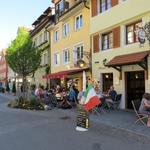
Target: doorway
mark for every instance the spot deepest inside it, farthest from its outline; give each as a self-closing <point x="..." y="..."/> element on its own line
<point x="135" y="87"/>
<point x="107" y="79"/>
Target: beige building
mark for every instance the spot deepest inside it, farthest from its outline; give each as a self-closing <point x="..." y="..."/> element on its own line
<point x="40" y="36"/>
<point x="118" y="57"/>
<point x="70" y="42"/>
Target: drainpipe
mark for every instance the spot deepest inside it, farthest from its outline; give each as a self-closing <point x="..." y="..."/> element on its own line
<point x="85" y="4"/>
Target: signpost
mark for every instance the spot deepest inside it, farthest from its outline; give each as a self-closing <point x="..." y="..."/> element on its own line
<point x="82" y="119"/>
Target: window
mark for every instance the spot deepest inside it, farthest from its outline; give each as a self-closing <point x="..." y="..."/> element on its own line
<point x="78" y="22"/>
<point x="40" y="39"/>
<point x="55" y="36"/>
<point x="36" y="42"/>
<point x="66" y="29"/>
<point x="45" y="36"/>
<point x="60" y="6"/>
<point x="45" y="58"/>
<point x="56" y="59"/>
<point x="66" y="56"/>
<point x="107" y="41"/>
<point x="131" y="36"/>
<point x="103" y="5"/>
<point x="79" y="51"/>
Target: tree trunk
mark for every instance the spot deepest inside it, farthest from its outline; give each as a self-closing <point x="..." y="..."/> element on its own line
<point x="24" y="84"/>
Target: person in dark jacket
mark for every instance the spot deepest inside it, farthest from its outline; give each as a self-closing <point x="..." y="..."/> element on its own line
<point x="110" y="96"/>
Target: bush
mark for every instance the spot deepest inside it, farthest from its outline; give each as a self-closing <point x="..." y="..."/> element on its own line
<point x="23" y="103"/>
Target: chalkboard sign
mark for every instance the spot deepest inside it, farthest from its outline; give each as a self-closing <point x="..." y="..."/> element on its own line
<point x="82" y="117"/>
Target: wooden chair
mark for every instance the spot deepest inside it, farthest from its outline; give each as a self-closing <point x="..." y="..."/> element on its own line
<point x="140" y="117"/>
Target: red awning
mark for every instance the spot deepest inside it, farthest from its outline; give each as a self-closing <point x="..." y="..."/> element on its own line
<point x="128" y="59"/>
<point x="63" y="74"/>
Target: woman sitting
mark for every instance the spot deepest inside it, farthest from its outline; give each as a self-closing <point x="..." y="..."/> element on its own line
<point x="145" y="106"/>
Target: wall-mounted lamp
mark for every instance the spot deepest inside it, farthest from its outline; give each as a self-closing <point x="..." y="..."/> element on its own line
<point x="104" y="62"/>
<point x="81" y="63"/>
<point x="136" y="76"/>
<point x="107" y="76"/>
<point x="117" y="81"/>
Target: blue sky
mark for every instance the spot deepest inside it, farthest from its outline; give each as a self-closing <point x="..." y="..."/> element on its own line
<point x="15" y="13"/>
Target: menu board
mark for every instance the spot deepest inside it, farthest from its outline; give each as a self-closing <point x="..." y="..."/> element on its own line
<point x="82" y="117"/>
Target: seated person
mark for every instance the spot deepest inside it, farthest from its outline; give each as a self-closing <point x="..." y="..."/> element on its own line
<point x="71" y="95"/>
<point x="111" y="96"/>
<point x="99" y="93"/>
<point x="58" y="95"/>
<point x="65" y="104"/>
<point x="39" y="92"/>
<point x="145" y="106"/>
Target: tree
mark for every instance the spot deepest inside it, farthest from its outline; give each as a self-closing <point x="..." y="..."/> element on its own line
<point x="22" y="56"/>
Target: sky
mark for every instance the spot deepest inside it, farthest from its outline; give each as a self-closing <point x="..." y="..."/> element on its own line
<point x="15" y="13"/>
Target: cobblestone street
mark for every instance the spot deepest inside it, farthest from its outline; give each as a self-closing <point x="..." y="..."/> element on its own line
<point x="55" y="129"/>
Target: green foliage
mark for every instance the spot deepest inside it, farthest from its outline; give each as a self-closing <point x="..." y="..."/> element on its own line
<point x="23" y="103"/>
<point x="32" y="86"/>
<point x="14" y="87"/>
<point x="21" y="55"/>
<point x="47" y="69"/>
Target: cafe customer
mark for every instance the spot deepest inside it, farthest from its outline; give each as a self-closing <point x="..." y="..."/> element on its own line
<point x="110" y="96"/>
<point x="145" y="106"/>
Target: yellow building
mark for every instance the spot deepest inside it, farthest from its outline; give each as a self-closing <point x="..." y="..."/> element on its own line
<point x="70" y="42"/>
<point x="118" y="57"/>
<point x="40" y="37"/>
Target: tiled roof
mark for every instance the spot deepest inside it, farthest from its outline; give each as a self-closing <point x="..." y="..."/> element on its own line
<point x="128" y="59"/>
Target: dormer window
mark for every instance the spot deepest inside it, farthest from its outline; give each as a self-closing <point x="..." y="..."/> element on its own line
<point x="60" y="6"/>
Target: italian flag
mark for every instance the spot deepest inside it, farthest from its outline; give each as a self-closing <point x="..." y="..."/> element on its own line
<point x="90" y="98"/>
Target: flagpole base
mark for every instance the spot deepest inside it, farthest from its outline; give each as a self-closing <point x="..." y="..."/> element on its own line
<point x="81" y="129"/>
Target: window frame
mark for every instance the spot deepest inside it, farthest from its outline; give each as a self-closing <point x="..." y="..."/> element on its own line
<point x="80" y="25"/>
<point x="133" y="24"/>
<point x="108" y="41"/>
<point x="100" y="10"/>
<point x="66" y="57"/>
<point x="56" y="59"/>
<point x="56" y="35"/>
<point x="45" y="58"/>
<point x="81" y="51"/>
<point x="66" y="30"/>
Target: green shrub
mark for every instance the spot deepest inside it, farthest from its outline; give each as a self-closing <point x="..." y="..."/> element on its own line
<point x="23" y="103"/>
